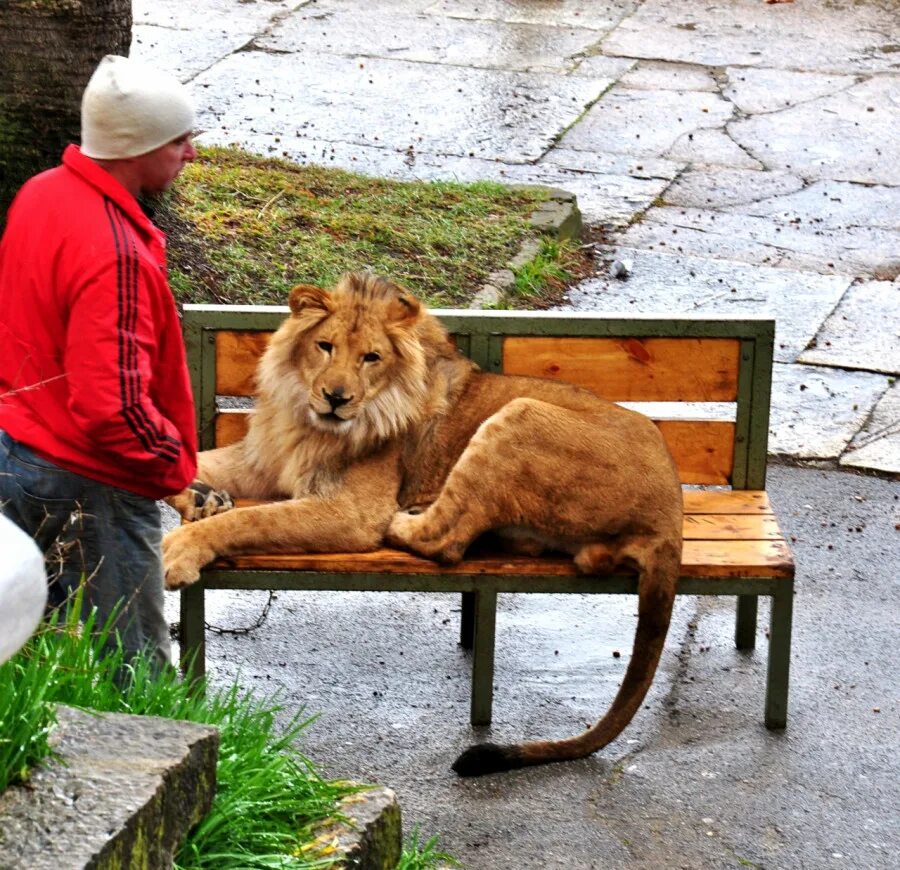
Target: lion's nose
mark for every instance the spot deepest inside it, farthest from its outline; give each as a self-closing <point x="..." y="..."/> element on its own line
<point x="335" y="397"/>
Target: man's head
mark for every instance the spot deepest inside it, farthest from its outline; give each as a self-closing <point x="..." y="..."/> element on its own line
<point x="137" y="122"/>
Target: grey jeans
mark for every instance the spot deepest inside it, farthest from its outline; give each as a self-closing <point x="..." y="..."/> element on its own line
<point x="91" y="532"/>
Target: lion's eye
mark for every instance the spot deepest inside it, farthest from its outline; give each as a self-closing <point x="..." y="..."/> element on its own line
<point x="326" y="346"/>
<point x="371" y="357"/>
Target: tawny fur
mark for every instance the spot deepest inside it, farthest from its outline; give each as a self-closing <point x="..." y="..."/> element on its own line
<point x="365" y="411"/>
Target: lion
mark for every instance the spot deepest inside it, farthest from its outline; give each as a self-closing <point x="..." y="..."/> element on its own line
<point x="371" y="428"/>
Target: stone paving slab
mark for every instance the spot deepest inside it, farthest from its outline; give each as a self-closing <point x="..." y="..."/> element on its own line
<point x="484" y="113"/>
<point x="825" y="226"/>
<point x="766" y="240"/>
<point x="798" y="301"/>
<point x="204" y="17"/>
<point x="720" y="187"/>
<point x="844" y="137"/>
<point x="712" y="147"/>
<point x="180" y="52"/>
<point x="762" y="91"/>
<point x="657" y="75"/>
<point x="832" y="204"/>
<point x="877" y="446"/>
<point x="645" y="123"/>
<point x="602" y="197"/>
<point x="603" y="66"/>
<point x="600" y="15"/>
<point x="430" y="39"/>
<point x="816" y="411"/>
<point x="863" y="332"/>
<point x="814" y="37"/>
<point x="603" y="163"/>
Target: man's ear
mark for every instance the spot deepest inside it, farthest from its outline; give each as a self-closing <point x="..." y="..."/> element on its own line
<point x="308" y="299"/>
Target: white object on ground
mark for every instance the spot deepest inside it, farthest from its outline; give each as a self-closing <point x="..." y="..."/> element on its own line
<point x="23" y="588"/>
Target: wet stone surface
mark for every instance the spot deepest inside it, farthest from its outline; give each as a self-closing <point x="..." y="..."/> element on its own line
<point x="863" y="332"/>
<point x="601" y="15"/>
<point x="645" y="123"/>
<point x="762" y="91"/>
<point x="431" y="39"/>
<point x="484" y="113"/>
<point x="712" y="147"/>
<point x="803" y="397"/>
<point x="798" y="301"/>
<point x="721" y="187"/>
<point x="877" y="445"/>
<point x="845" y="137"/>
<point x="772" y="240"/>
<point x="823" y="38"/>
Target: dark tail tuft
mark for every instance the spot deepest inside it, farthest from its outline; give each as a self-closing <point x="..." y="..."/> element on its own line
<point x="488" y="758"/>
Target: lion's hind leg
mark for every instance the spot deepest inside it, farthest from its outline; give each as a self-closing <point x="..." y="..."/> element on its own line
<point x="496" y="483"/>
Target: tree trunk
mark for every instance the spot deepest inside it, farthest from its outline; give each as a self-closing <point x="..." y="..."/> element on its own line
<point x="48" y="50"/>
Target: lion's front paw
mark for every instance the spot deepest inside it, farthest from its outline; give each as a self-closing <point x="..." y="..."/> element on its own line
<point x="185" y="552"/>
<point x="199" y="501"/>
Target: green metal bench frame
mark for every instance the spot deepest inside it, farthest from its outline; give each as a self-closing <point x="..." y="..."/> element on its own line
<point x="479" y="334"/>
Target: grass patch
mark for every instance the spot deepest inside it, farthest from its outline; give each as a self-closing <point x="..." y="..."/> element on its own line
<point x="424" y="855"/>
<point x="245" y="229"/>
<point x="543" y="280"/>
<point x="269" y="796"/>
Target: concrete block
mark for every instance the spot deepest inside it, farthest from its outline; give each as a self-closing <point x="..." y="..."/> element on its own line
<point x="123" y="792"/>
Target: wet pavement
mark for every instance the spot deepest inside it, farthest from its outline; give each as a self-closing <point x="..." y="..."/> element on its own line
<point x="744" y="155"/>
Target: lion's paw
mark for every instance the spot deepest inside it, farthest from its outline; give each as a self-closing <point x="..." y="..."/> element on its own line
<point x="410" y="532"/>
<point x="403" y="530"/>
<point x="199" y="501"/>
<point x="185" y="552"/>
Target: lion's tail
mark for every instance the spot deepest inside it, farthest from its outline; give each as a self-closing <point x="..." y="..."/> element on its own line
<point x="657" y="579"/>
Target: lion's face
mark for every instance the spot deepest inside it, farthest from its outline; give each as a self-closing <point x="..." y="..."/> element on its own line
<point x="349" y="362"/>
<point x="345" y="362"/>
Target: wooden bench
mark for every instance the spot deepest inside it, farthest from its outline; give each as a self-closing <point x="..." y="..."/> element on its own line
<point x="732" y="542"/>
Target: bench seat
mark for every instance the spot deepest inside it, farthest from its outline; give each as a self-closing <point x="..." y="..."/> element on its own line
<point x="726" y="534"/>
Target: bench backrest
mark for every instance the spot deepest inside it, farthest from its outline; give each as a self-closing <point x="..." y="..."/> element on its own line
<point x="706" y="382"/>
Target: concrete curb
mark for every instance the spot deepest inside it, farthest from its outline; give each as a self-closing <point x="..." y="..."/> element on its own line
<point x="123" y="792"/>
<point x="558" y="218"/>
<point x="370" y="837"/>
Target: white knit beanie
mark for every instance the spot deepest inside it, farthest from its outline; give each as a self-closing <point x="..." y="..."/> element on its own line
<point x="129" y="108"/>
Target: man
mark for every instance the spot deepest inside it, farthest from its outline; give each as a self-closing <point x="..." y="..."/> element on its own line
<point x="96" y="413"/>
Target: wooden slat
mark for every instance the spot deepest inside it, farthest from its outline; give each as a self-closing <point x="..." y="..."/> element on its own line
<point x="699" y="501"/>
<point x="632" y="370"/>
<point x="731" y="527"/>
<point x="237" y="354"/>
<point x="231" y="426"/>
<point x="703" y="449"/>
<point x="700" y="559"/>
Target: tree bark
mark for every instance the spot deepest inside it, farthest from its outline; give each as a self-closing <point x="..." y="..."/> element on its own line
<point x="48" y="50"/>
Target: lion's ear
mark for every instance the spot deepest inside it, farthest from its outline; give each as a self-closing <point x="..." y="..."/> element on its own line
<point x="306" y="299"/>
<point x="403" y="309"/>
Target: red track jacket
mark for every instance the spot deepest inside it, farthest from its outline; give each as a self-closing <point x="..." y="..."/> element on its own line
<point x="92" y="366"/>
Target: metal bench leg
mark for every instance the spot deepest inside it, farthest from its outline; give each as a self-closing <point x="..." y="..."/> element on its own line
<point x="745" y="625"/>
<point x="485" y="612"/>
<point x="779" y="657"/>
<point x="467" y="620"/>
<point x="193" y="632"/>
